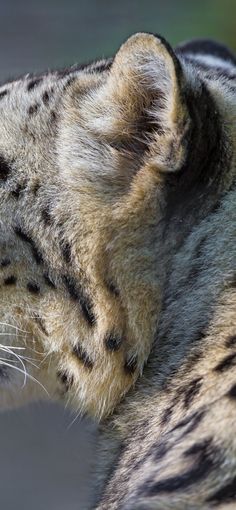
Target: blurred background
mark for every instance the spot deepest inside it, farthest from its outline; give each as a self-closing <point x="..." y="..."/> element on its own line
<point x="44" y="463"/>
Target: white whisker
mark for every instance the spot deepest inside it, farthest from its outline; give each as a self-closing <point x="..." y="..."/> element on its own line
<point x="28" y="375"/>
<point x="12" y="326"/>
<point x="9" y="351"/>
<point x="78" y="415"/>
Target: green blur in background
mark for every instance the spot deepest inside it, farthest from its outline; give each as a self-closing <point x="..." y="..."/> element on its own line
<point x="35" y="35"/>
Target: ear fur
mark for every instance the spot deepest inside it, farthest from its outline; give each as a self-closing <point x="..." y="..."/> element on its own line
<point x="141" y="105"/>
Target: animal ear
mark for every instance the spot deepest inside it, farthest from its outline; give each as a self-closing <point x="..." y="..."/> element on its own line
<point x="141" y="105"/>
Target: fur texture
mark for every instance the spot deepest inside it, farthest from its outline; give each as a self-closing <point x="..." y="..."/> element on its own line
<point x="117" y="219"/>
<point x="171" y="444"/>
<point x="80" y="203"/>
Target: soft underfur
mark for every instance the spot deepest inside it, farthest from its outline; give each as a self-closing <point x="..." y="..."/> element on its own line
<point x="117" y="222"/>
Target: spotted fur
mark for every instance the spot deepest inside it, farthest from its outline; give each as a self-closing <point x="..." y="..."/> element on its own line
<point x="171" y="443"/>
<point x="74" y="235"/>
<point x="117" y="260"/>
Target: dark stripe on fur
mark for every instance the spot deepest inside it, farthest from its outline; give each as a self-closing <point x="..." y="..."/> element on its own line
<point x="206" y="47"/>
<point x="49" y="281"/>
<point x="83" y="356"/>
<point x="201" y="468"/>
<point x="227" y="363"/>
<point x="232" y="392"/>
<point x="46" y="216"/>
<point x="76" y="293"/>
<point x="230" y="342"/>
<point x="5" y="262"/>
<point x="192" y="391"/>
<point x="3" y="93"/>
<point x="25" y="237"/>
<point x="32" y="84"/>
<point x="166" y="417"/>
<point x="190" y="423"/>
<point x="226" y="494"/>
<point x="66" y="251"/>
<point x="130" y="366"/>
<point x="5" y="169"/>
<point x="10" y="280"/>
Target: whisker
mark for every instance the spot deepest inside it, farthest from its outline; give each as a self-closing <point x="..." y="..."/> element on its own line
<point x="28" y="375"/>
<point x="12" y="326"/>
<point x="78" y="415"/>
<point x="12" y="347"/>
<point x="9" y="351"/>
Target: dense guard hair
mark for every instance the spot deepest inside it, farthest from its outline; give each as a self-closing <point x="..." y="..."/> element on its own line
<point x="117" y="263"/>
<point x="171" y="444"/>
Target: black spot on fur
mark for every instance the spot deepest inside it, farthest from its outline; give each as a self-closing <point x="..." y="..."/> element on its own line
<point x="5" y="262"/>
<point x="46" y="216"/>
<point x="10" y="280"/>
<point x="99" y="66"/>
<point x="231" y="341"/>
<point x="202" y="467"/>
<point x="45" y="97"/>
<point x="83" y="356"/>
<point x="66" y="379"/>
<point x="25" y="237"/>
<point x="3" y="93"/>
<point x="18" y="190"/>
<point x="35" y="188"/>
<point x="19" y="232"/>
<point x="76" y="293"/>
<point x="112" y="288"/>
<point x="192" y="391"/>
<point x="69" y="82"/>
<point x="66" y="251"/>
<point x="5" y="169"/>
<point x="130" y="366"/>
<point x="226" y="494"/>
<point x="227" y="363"/>
<point x="232" y="392"/>
<point x="49" y="281"/>
<point x="33" y="109"/>
<point x="33" y="83"/>
<point x="53" y="116"/>
<point x="113" y="342"/>
<point x="33" y="287"/>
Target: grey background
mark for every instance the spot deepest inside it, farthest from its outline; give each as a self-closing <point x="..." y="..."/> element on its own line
<point x="43" y="463"/>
